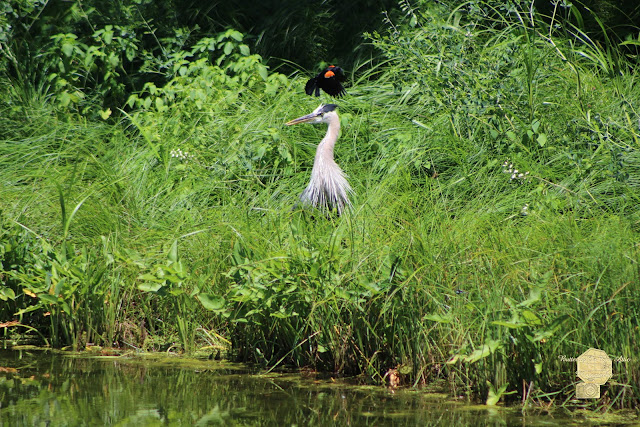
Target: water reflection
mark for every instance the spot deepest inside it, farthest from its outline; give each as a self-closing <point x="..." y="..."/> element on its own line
<point x="40" y="388"/>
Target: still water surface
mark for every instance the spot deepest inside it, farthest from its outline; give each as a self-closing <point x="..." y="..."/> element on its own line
<point x="52" y="389"/>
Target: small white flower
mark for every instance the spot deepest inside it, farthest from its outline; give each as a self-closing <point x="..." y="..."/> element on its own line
<point x="507" y="167"/>
<point x="182" y="155"/>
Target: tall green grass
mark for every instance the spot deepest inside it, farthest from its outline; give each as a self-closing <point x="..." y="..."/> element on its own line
<point x="171" y="225"/>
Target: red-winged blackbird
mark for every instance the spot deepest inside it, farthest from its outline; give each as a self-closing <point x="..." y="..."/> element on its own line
<point x="328" y="80"/>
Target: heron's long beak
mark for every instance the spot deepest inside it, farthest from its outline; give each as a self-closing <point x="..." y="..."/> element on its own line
<point x="303" y="119"/>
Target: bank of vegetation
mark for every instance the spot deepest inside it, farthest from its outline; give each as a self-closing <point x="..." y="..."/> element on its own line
<point x="147" y="184"/>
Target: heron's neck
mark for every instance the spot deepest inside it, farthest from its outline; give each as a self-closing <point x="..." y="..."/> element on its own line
<point x="325" y="148"/>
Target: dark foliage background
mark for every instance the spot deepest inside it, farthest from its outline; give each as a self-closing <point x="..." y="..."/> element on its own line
<point x="290" y="35"/>
<point x="302" y="32"/>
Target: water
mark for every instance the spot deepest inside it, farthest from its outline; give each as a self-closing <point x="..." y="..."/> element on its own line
<point x="44" y="388"/>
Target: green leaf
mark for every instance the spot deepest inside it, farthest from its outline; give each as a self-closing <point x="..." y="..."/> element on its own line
<point x="173" y="252"/>
<point x="510" y="324"/>
<point x="531" y="318"/>
<point x="105" y="113"/>
<point x="262" y="70"/>
<point x="535" y="125"/>
<point x="47" y="298"/>
<point x="150" y="277"/>
<point x="489" y="347"/>
<point x="108" y="36"/>
<point x="64" y="98"/>
<point x="370" y="286"/>
<point x="279" y="315"/>
<point x="542" y="139"/>
<point x="28" y="309"/>
<point x="212" y="302"/>
<point x="60" y="286"/>
<point x="494" y="396"/>
<point x="130" y="53"/>
<point x="290" y="289"/>
<point x="438" y="318"/>
<point x="535" y="295"/>
<point x="113" y="60"/>
<point x="7" y="293"/>
<point x="150" y="287"/>
<point x="67" y="49"/>
<point x="132" y="100"/>
<point x="66" y="308"/>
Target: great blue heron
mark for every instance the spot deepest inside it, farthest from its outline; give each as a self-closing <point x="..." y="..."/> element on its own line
<point x="328" y="188"/>
<point x="328" y="80"/>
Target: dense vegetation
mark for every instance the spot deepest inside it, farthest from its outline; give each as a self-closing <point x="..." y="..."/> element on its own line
<point x="148" y="180"/>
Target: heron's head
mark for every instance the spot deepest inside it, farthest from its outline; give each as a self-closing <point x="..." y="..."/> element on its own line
<point x="322" y="114"/>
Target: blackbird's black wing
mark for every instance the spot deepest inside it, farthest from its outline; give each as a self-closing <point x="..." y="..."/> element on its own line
<point x="329" y="81"/>
<point x="312" y="85"/>
<point x="332" y="86"/>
